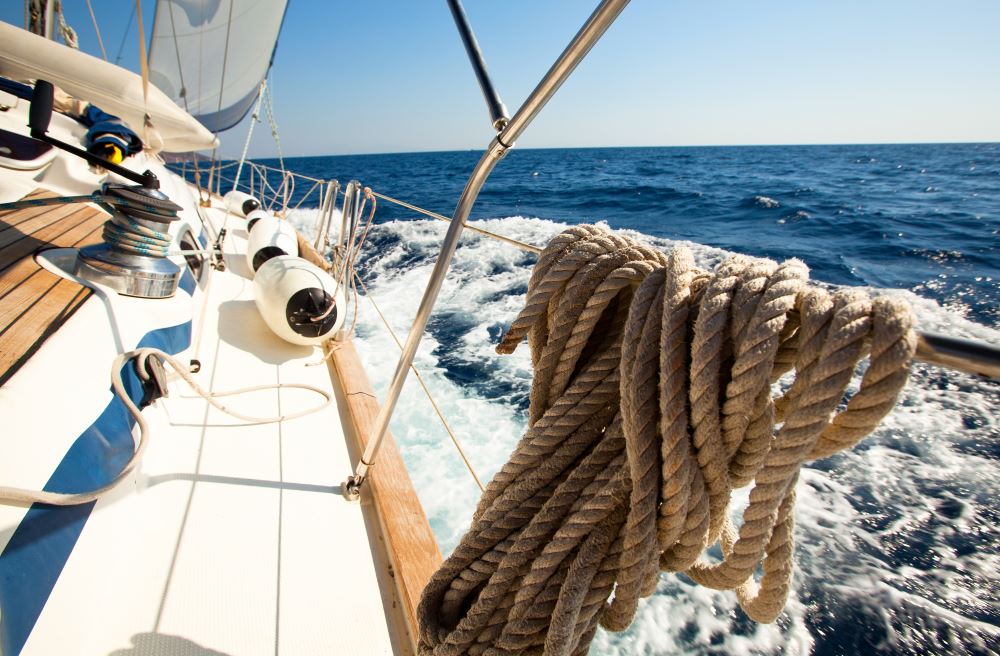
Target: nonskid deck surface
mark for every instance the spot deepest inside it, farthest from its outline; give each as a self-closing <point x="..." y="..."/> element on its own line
<point x="234" y="537"/>
<point x="34" y="302"/>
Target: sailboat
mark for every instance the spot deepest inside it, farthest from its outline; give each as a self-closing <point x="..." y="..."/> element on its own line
<point x="234" y="534"/>
<point x="193" y="464"/>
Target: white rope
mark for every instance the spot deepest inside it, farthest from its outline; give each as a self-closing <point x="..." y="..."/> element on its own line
<point x="97" y="30"/>
<point x="255" y="117"/>
<point x="269" y="110"/>
<point x="19" y="495"/>
<point x="68" y="33"/>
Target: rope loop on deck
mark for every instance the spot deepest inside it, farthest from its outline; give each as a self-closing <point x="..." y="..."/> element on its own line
<point x="140" y="359"/>
<point x="653" y="399"/>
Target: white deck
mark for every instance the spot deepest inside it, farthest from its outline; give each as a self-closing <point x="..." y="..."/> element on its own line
<point x="233" y="538"/>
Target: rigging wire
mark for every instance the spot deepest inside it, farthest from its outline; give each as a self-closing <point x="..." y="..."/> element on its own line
<point x="121" y="46"/>
<point x="97" y="30"/>
<point x="507" y="240"/>
<point x="272" y="168"/>
<point x="177" y="54"/>
<point x="273" y="124"/>
<point x="423" y="385"/>
<point x="225" y="56"/>
<point x="315" y="186"/>
<point x="254" y="118"/>
<point x="143" y="62"/>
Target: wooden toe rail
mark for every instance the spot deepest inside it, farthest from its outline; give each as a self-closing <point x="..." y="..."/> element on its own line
<point x="412" y="550"/>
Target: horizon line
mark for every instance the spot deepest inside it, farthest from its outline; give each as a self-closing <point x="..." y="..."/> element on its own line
<point x="744" y="145"/>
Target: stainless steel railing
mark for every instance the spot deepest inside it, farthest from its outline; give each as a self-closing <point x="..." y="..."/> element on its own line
<point x="329" y="202"/>
<point x="589" y="34"/>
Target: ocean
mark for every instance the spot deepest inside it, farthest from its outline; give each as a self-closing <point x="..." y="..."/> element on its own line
<point x="897" y="540"/>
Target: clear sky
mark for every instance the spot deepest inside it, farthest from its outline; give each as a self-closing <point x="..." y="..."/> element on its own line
<point x="391" y="76"/>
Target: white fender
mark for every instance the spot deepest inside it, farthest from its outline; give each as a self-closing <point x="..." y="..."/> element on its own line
<point x="289" y="292"/>
<point x="253" y="217"/>
<point x="269" y="237"/>
<point x="240" y="203"/>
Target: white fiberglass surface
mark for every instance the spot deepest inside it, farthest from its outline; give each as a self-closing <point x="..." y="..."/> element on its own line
<point x="232" y="536"/>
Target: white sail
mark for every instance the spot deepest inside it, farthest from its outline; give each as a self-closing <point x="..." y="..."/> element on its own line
<point x="210" y="56"/>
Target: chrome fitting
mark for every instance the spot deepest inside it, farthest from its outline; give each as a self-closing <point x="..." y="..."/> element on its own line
<point x="351" y="488"/>
<point x="126" y="273"/>
<point x="498" y="149"/>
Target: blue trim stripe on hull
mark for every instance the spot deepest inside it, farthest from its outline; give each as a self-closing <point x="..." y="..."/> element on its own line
<point x="40" y="546"/>
<point x="188" y="283"/>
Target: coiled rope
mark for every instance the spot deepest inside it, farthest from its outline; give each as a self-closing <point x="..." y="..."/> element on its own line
<point x="651" y="402"/>
<point x="67" y="33"/>
<point x="125" y="206"/>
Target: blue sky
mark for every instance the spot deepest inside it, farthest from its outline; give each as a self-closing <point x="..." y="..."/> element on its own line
<point x="391" y="76"/>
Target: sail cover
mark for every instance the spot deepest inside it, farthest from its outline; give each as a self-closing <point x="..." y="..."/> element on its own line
<point x="210" y="56"/>
<point x="158" y="120"/>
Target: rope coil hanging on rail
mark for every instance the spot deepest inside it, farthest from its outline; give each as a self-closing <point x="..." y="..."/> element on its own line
<point x="651" y="402"/>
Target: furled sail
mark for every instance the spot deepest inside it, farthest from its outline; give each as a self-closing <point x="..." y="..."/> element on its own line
<point x="160" y="123"/>
<point x="210" y="56"/>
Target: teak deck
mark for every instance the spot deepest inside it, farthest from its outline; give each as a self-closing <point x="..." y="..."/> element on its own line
<point x="33" y="301"/>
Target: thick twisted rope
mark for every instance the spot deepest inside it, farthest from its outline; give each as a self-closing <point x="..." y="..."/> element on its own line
<point x="652" y="401"/>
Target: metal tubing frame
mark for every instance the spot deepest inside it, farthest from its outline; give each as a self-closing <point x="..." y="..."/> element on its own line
<point x="965" y="355"/>
<point x="324" y="201"/>
<point x="350" y="215"/>
<point x="595" y="27"/>
<point x="498" y="111"/>
<point x="326" y="215"/>
<point x="348" y="211"/>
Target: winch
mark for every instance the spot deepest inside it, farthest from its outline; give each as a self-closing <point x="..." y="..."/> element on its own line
<point x="133" y="258"/>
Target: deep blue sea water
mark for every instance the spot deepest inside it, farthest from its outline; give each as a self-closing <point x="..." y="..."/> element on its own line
<point x="915" y="216"/>
<point x="898" y="540"/>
